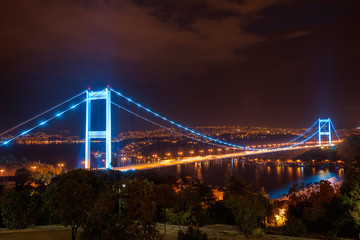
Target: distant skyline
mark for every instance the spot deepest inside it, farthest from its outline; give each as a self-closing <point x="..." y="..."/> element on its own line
<point x="272" y="63"/>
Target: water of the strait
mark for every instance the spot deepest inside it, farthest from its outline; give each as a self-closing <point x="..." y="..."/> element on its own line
<point x="275" y="179"/>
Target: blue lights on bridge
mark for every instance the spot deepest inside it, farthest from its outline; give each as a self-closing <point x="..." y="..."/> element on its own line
<point x="230" y="144"/>
<point x="26" y="132"/>
<point x="184" y="128"/>
<point x="325" y="126"/>
<point x="305" y="132"/>
<point x="43" y="122"/>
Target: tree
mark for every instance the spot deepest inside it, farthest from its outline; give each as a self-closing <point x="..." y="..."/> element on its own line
<point x="343" y="213"/>
<point x="73" y="196"/>
<point x="137" y="220"/>
<point x="192" y="233"/>
<point x="19" y="208"/>
<point x="322" y="194"/>
<point x="101" y="218"/>
<point x="350" y="198"/>
<point x="139" y="207"/>
<point x="220" y="214"/>
<point x="295" y="227"/>
<point x="179" y="217"/>
<point x="164" y="198"/>
<point x="164" y="195"/>
<point x="236" y="185"/>
<point x="43" y="174"/>
<point x="194" y="197"/>
<point x="114" y="162"/>
<point x="349" y="151"/>
<point x="336" y="216"/>
<point x="249" y="211"/>
<point x="298" y="200"/>
<point x="22" y="177"/>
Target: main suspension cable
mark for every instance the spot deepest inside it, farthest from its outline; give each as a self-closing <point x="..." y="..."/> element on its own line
<point x="202" y="135"/>
<point x="182" y="127"/>
<point x="39" y="115"/>
<point x="162" y="126"/>
<point x="42" y="123"/>
<point x="304" y="132"/>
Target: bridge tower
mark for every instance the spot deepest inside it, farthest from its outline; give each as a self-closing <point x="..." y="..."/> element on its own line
<point x="325" y="129"/>
<point x="89" y="134"/>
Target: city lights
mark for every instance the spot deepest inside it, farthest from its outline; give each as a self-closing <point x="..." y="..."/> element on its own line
<point x="180" y="120"/>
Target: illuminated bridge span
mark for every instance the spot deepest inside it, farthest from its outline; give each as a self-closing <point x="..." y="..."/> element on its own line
<point x="311" y="138"/>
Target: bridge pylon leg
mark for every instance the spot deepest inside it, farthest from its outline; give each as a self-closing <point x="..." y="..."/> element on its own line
<point x="324" y="129"/>
<point x="89" y="134"/>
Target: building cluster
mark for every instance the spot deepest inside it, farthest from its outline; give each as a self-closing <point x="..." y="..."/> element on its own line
<point x="247" y="132"/>
<point x="43" y="138"/>
<point x="173" y="135"/>
<point x="158" y="133"/>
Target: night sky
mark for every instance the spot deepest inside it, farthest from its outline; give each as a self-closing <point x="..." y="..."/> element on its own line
<point x="200" y="62"/>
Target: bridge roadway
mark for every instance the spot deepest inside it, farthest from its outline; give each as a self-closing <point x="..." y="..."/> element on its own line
<point x="174" y="162"/>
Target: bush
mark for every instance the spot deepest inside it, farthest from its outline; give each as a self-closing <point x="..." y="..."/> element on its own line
<point x="249" y="211"/>
<point x="258" y="232"/>
<point x="179" y="218"/>
<point x="295" y="227"/>
<point x="19" y="209"/>
<point x="192" y="233"/>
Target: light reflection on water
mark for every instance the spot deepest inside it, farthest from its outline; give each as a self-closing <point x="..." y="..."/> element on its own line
<point x="275" y="179"/>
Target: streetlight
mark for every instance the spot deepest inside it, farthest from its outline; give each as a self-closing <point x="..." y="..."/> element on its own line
<point x="119" y="189"/>
<point x="2" y="171"/>
<point x="60" y="166"/>
<point x="154" y="156"/>
<point x="33" y="168"/>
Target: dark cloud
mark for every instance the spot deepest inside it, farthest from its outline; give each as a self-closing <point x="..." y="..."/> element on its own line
<point x="128" y="31"/>
<point x="236" y="61"/>
<point x="296" y="34"/>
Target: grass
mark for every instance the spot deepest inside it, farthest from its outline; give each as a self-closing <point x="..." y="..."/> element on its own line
<point x="219" y="231"/>
<point x="51" y="233"/>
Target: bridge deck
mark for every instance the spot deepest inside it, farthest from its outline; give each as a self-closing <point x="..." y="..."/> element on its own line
<point x="174" y="162"/>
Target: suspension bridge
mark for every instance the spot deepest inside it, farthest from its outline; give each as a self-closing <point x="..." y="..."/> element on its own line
<point x="313" y="137"/>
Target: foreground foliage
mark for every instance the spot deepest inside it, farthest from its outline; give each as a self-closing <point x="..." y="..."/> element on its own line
<point x="19" y="208"/>
<point x="192" y="233"/>
<point x="72" y="196"/>
<point x="114" y="205"/>
<point x="295" y="227"/>
<point x="249" y="210"/>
